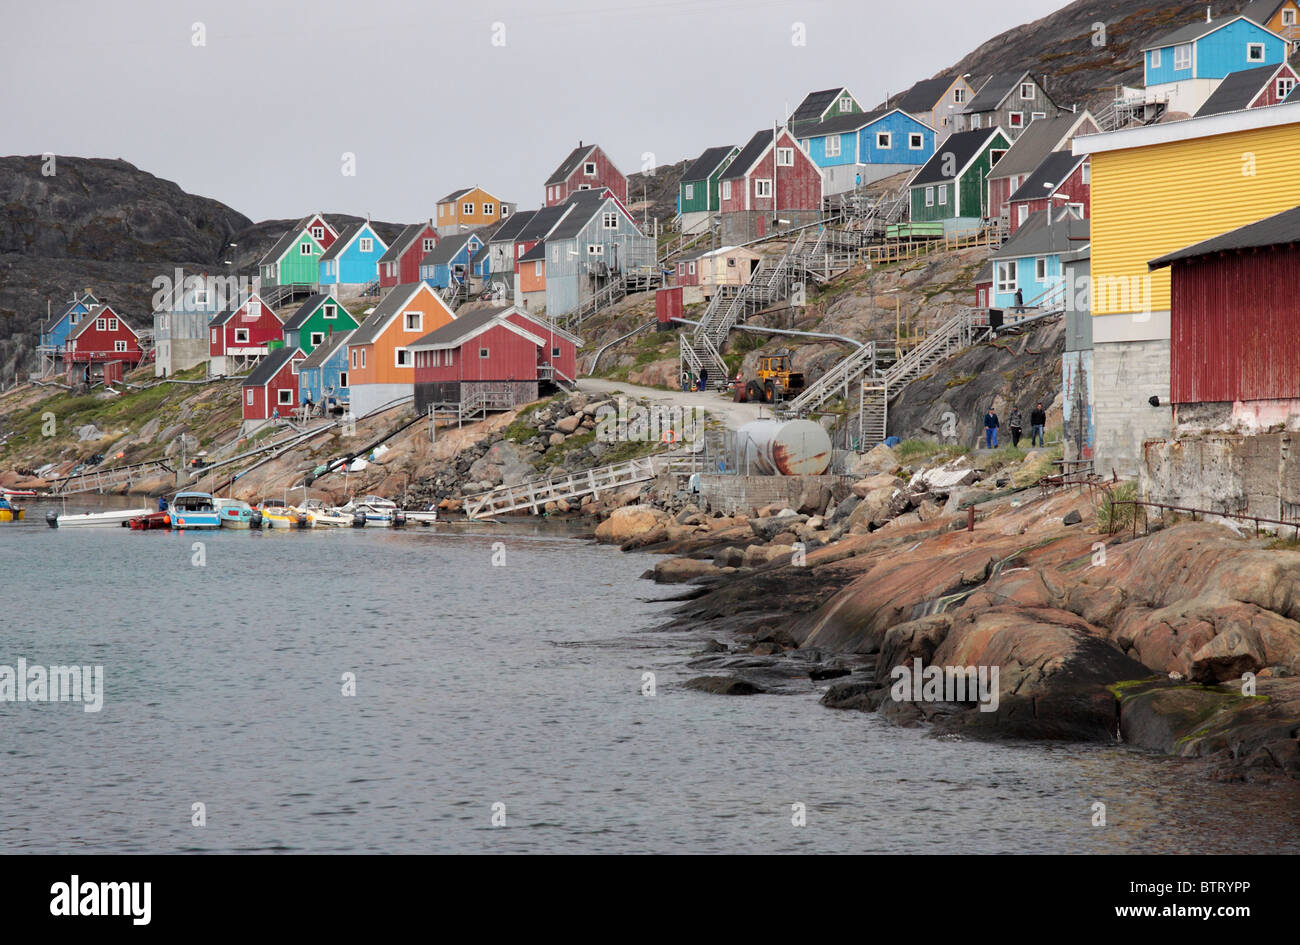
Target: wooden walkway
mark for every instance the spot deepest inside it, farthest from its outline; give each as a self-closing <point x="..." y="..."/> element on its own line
<point x="535" y="493"/>
<point x="98" y="480"/>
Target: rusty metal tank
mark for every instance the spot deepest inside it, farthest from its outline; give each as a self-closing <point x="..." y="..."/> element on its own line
<point x="784" y="448"/>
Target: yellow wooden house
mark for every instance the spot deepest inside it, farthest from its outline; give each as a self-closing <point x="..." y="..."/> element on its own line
<point x="468" y="209"/>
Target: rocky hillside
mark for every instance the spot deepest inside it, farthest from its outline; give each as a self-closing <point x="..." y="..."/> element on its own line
<point x="656" y="192"/>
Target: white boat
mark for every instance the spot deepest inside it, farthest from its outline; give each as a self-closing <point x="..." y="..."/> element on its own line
<point x="117" y="517"/>
<point x="379" y="512"/>
<point x="425" y="517"/>
<point x="275" y="514"/>
<point x="320" y="515"/>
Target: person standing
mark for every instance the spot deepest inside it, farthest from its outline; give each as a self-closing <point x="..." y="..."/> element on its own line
<point x="991" y="425"/>
<point x="1037" y="420"/>
<point x="1017" y="424"/>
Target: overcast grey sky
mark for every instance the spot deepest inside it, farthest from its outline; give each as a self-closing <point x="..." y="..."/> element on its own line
<point x="260" y="116"/>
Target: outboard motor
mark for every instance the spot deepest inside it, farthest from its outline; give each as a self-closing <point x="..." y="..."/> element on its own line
<point x="399" y="518"/>
<point x="301" y="519"/>
<point x="52" y="518"/>
<point x="358" y="519"/>
<point x="255" y="518"/>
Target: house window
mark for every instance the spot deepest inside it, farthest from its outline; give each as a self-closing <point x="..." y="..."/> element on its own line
<point x="916" y="142"/>
<point x="610" y="221"/>
<point x="505" y="211"/>
<point x="929" y="196"/>
<point x="112" y="324"/>
<point x="689" y="191"/>
<point x="442" y="209"/>
<point x="401" y="357"/>
<point x="1040" y="268"/>
<point x="1016" y="119"/>
<point x="467" y="208"/>
<point x="363" y="357"/>
<point x="248" y="396"/>
<point x="959" y="96"/>
<point x="555" y="352"/>
<point x="414" y="320"/>
<point x="214" y="336"/>
<point x="833" y="146"/>
<point x="483" y="354"/>
<point x="367" y="244"/>
<point x="330" y="311"/>
<point x="304" y="249"/>
<point x="200" y="298"/>
<point x="1183" y="56"/>
<point x="726" y="190"/>
<point x="1076" y="210"/>
<point x="537" y="268"/>
<point x="100" y="324"/>
<point x="318" y="232"/>
<point x="681" y="269"/>
<point x="1034" y="116"/>
<point x="1288" y="17"/>
<point x="354" y="358"/>
<point x="1284" y="86"/>
<point x="785" y="157"/>
<point x="488" y="209"/>
<point x="1022" y="214"/>
<point x="995" y="155"/>
<point x="1007" y="276"/>
<point x="429" y="244"/>
<point x="690" y="267"/>
<point x="846" y="103"/>
<point x="285" y="396"/>
<point x="974" y="122"/>
<point x="1027" y="91"/>
<point x="589" y="169"/>
<point x="762" y="187"/>
<point x="584" y="187"/>
<point x="241" y="336"/>
<point x="884" y="140"/>
<point x="943" y="195"/>
<point x="1155" y="59"/>
<point x="595" y="249"/>
<point x="1087" y="173"/>
<point x="555" y="254"/>
<point x="343" y="378"/>
<point x="316" y="338"/>
<point x="1254" y="52"/>
<point x="119" y="346"/>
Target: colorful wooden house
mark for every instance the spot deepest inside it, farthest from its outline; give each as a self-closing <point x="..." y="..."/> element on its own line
<point x="1251" y="88"/>
<point x="55" y="329"/>
<point x="501" y="251"/>
<point x="295" y="257"/>
<point x="1030" y="263"/>
<point x="586" y="168"/>
<point x="1184" y="67"/>
<point x="270" y="392"/>
<point x="182" y="309"/>
<point x="822" y="105"/>
<point x="860" y="148"/>
<point x="772" y="185"/>
<point x="1277" y="16"/>
<point x="1010" y="101"/>
<point x="697" y="192"/>
<point x="320" y="316"/>
<point x="701" y="272"/>
<point x="323" y="374"/>
<point x="352" y="261"/>
<point x="951" y="188"/>
<point x="400" y="264"/>
<point x="247" y="330"/>
<point x="1027" y="152"/>
<point x="450" y="262"/>
<point x="380" y="366"/>
<point x="530" y="277"/>
<point x="504" y="351"/>
<point x="470" y="208"/>
<point x="595" y="243"/>
<point x="937" y="102"/>
<point x="101" y="336"/>
<point x="1062" y="180"/>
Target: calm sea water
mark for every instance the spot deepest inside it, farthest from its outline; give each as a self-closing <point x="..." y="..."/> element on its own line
<point x="477" y="686"/>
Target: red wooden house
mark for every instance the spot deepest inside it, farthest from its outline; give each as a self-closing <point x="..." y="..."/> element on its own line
<point x="400" y="265"/>
<point x="1251" y="88"/>
<point x="586" y="168"/>
<point x="505" y="352"/>
<point x="771" y="185"/>
<point x="1062" y="180"/>
<point x="272" y="387"/>
<point x="241" y="334"/>
<point x="102" y="335"/>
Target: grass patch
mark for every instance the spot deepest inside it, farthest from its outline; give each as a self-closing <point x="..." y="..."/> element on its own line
<point x="912" y="452"/>
<point x="959" y="380"/>
<point x="1112" y="518"/>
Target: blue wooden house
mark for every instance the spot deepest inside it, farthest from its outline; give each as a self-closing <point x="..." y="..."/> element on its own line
<point x="452" y="259"/>
<point x="1183" y="68"/>
<point x="858" y="148"/>
<point x="596" y="242"/>
<point x="1033" y="262"/>
<point x="353" y="258"/>
<point x="323" y="374"/>
<point x="55" y="330"/>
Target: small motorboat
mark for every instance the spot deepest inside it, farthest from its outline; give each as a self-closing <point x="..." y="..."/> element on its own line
<point x="275" y="514"/>
<point x="194" y="510"/>
<point x="120" y="518"/>
<point x="10" y="512"/>
<point x="236" y="514"/>
<point x="423" y="516"/>
<point x="379" y="512"/>
<point x="151" y="521"/>
<point x="320" y="515"/>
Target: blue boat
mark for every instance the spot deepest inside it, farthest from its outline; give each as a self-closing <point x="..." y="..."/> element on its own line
<point x="236" y="514"/>
<point x="194" y="510"/>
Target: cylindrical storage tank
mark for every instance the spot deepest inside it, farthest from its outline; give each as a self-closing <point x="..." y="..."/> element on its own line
<point x="784" y="448"/>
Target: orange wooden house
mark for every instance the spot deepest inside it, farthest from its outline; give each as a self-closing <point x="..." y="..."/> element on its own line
<point x="468" y="209"/>
<point x="380" y="365"/>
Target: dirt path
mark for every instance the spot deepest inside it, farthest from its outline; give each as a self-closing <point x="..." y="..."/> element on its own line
<point x="734" y="415"/>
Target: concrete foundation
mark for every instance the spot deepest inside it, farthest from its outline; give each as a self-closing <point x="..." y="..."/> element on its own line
<point x="745" y="495"/>
<point x="1125" y="375"/>
<point x="741" y="226"/>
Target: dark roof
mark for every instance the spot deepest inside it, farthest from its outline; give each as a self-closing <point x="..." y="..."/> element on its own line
<point x="963" y="146"/>
<point x="538" y="252"/>
<point x="1040" y="138"/>
<point x="59" y="315"/>
<point x="1277" y="230"/>
<point x="94" y="312"/>
<point x="814" y="104"/>
<point x="1036" y="238"/>
<point x="511" y="226"/>
<point x="478" y="256"/>
<point x="1237" y="90"/>
<point x="585" y="204"/>
<point x="304" y="310"/>
<point x="410" y="233"/>
<point x="838" y="124"/>
<point x="336" y="247"/>
<point x="570" y="164"/>
<point x="1189" y="33"/>
<point x="446" y="250"/>
<point x="997" y="88"/>
<point x="1260" y="12"/>
<point x="1056" y="167"/>
<point x="541" y="223"/>
<point x="269" y="367"/>
<point x="707" y="163"/>
<point x="461" y="326"/>
<point x="283" y="243"/>
<point x="1293" y="97"/>
<point x="370" y="329"/>
<point x="455" y="195"/>
<point x="750" y="153"/>
<point x="322" y="351"/>
<point x="923" y="96"/>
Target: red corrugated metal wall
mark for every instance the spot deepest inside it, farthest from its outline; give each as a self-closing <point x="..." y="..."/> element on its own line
<point x="1235" y="332"/>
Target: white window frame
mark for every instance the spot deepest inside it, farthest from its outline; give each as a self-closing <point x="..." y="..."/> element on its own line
<point x="974" y="122"/>
<point x="584" y="187"/>
<point x="248" y="397"/>
<point x="555" y="351"/>
<point x="1087" y="172"/>
<point x="1155" y="59"/>
<point x="959" y="96"/>
<point x="943" y="195"/>
<point x="589" y="169"/>
<point x="484" y="353"/>
<point x="354" y="358"/>
<point x="367" y="244"/>
<point x="833" y="148"/>
<point x="330" y="311"/>
<point x="1000" y="270"/>
<point x="762" y="187"/>
<point x="1285" y="86"/>
<point x="200" y="298"/>
<point x="1026" y="96"/>
<point x="467" y="208"/>
<point x="1251" y="49"/>
<point x="119" y="346"/>
<point x="429" y="244"/>
<point x="1182" y="57"/>
<point x="284" y="397"/>
<point x="609" y="220"/>
<point x="785" y="157"/>
<point x="1034" y="116"/>
<point x="304" y="249"/>
<point x="1016" y="119"/>
<point x="1288" y="17"/>
<point x="537" y="268"/>
<point x="363" y="357"/>
<point x="724" y="191"/>
<point x="317" y="339"/>
<point x="406" y="321"/>
<point x="555" y="254"/>
<point x="343" y="378"/>
<point x="1040" y="269"/>
<point x="690" y="267"/>
<point x="241" y="340"/>
<point x="318" y="233"/>
<point x="101" y="324"/>
<point x="112" y="324"/>
<point x="688" y="191"/>
<point x="846" y="103"/>
<point x="214" y="336"/>
<point x="884" y="140"/>
<point x="402" y="358"/>
<point x="489" y="209"/>
<point x="595" y="249"/>
<point x="915" y="141"/>
<point x="929" y="196"/>
<point x="1022" y="214"/>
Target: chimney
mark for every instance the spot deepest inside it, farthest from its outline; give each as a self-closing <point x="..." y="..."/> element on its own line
<point x="1207" y="15"/>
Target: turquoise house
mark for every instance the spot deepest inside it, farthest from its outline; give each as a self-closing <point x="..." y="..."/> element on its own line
<point x="1183" y="68"/>
<point x="353" y="258"/>
<point x="323" y="374"/>
<point x="860" y="148"/>
<point x="1033" y="261"/>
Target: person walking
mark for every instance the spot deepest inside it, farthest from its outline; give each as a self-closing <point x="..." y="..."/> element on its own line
<point x="991" y="425"/>
<point x="1037" y="420"/>
<point x="1017" y="424"/>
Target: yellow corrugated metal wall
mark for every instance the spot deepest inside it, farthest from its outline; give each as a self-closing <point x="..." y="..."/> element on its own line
<point x="1153" y="200"/>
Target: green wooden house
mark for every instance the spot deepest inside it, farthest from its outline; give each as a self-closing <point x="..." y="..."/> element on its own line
<point x="697" y="193"/>
<point x="951" y="186"/>
<point x="295" y="257"/>
<point x="316" y="319"/>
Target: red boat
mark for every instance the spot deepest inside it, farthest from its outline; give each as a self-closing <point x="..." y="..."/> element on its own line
<point x="151" y="521"/>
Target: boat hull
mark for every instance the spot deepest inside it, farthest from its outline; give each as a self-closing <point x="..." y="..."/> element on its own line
<point x="152" y="521"/>
<point x="97" y="519"/>
<point x="189" y="520"/>
<point x="12" y="515"/>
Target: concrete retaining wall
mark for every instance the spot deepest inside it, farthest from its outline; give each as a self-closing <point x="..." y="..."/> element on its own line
<point x="1124" y="376"/>
<point x="747" y="494"/>
<point x="1257" y="475"/>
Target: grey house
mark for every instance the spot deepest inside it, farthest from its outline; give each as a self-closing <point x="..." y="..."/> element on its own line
<point x="1010" y="101"/>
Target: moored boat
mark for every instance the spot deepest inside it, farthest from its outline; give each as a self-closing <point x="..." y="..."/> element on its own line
<point x="422" y="516"/>
<point x="150" y="521"/>
<point x="236" y="514"/>
<point x="10" y="512"/>
<point x="194" y="510"/>
<point x="118" y="517"/>
<point x="275" y="514"/>
<point x="379" y="512"/>
<point x="320" y="515"/>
